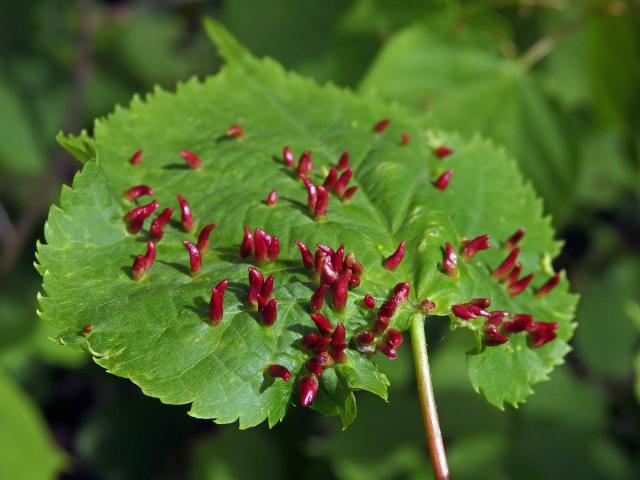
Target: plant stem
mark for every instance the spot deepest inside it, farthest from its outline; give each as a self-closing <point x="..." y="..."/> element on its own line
<point x="427" y="400"/>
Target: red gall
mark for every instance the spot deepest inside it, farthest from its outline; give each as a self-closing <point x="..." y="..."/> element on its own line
<point x="475" y="245"/>
<point x="442" y="151"/>
<point x="496" y="317"/>
<point x="517" y="287"/>
<point x="142" y="263"/>
<point x="450" y="260"/>
<point x="157" y="225"/>
<point x="137" y="192"/>
<point x="195" y="260"/>
<point x="272" y="198"/>
<point x="136" y="158"/>
<point x="247" y="246"/>
<point x="427" y="305"/>
<point x="505" y="267"/>
<point x="270" y="312"/>
<point x="481" y="302"/>
<point x="322" y="324"/>
<point x="216" y="305"/>
<point x="312" y="195"/>
<point x="369" y="301"/>
<point x="186" y="218"/>
<point x="380" y="324"/>
<point x="203" y="237"/>
<point x="342" y="182"/>
<point x="331" y="179"/>
<point x="305" y="165"/>
<point x="541" y="333"/>
<point x="136" y="216"/>
<point x="279" y="371"/>
<point x="287" y="157"/>
<point x="393" y="260"/>
<point x="401" y="292"/>
<point x="337" y="259"/>
<point x="548" y="285"/>
<point x="256" y="281"/>
<point x="382" y="125"/>
<point x="493" y="337"/>
<point x="513" y="240"/>
<point x="514" y="273"/>
<point x="519" y="322"/>
<point x="307" y="258"/>
<point x="343" y="162"/>
<point x="317" y="299"/>
<point x="328" y="275"/>
<point x="310" y="340"/>
<point x="442" y="182"/>
<point x="322" y="203"/>
<point x="308" y="388"/>
<point x="193" y="161"/>
<point x="349" y="192"/>
<point x="314" y="366"/>
<point x="235" y="131"/>
<point x="365" y="338"/>
<point x="340" y="290"/>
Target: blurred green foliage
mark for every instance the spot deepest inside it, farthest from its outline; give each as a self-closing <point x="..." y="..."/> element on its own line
<point x="570" y="117"/>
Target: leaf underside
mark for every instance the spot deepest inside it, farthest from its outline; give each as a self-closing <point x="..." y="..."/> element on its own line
<point x="155" y="332"/>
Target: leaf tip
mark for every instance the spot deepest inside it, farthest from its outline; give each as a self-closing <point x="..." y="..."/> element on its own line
<point x="228" y="46"/>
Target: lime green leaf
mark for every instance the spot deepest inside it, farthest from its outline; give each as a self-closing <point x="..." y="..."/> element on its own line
<point x="471" y="88"/>
<point x="26" y="447"/>
<point x="80" y="146"/>
<point x="154" y="331"/>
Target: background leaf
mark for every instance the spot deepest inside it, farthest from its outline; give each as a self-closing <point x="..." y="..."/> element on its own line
<point x="446" y="68"/>
<point x="26" y="449"/>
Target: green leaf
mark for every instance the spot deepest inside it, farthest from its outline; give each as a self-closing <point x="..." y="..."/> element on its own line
<point x="234" y="455"/>
<point x="114" y="439"/>
<point x="469" y="87"/>
<point x="26" y="447"/>
<point x="20" y="151"/>
<point x="80" y="146"/>
<point x="386" y="441"/>
<point x="23" y="337"/>
<point x="153" y="47"/>
<point x="601" y="184"/>
<point x="606" y="321"/>
<point x="612" y="58"/>
<point x="154" y="331"/>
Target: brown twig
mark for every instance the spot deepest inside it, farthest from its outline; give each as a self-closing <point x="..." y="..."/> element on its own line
<point x="62" y="164"/>
<point x="546" y="44"/>
<point x="6" y="227"/>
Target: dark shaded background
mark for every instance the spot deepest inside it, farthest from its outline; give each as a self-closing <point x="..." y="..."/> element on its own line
<point x="63" y="63"/>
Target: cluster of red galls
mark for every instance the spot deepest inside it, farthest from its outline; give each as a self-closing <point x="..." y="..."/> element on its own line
<point x="336" y="271"/>
<point x="508" y="272"/>
<point x="380" y="337"/>
<point x="318" y="195"/>
<point x="499" y="324"/>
